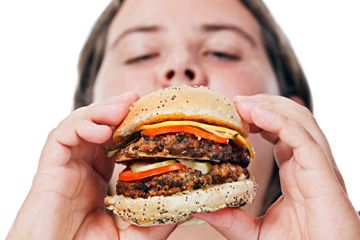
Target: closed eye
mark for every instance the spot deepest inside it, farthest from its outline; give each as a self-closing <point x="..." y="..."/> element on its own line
<point x="141" y="58"/>
<point x="223" y="55"/>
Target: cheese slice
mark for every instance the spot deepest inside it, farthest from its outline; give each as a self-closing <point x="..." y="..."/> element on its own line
<point x="216" y="130"/>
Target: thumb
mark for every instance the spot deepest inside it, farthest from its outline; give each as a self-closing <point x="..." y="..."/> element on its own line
<point x="232" y="223"/>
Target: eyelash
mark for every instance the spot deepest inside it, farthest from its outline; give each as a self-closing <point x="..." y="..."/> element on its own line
<point x="216" y="54"/>
<point x="223" y="55"/>
<point x="141" y="58"/>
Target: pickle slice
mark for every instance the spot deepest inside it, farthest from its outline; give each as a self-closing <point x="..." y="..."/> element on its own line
<point x="143" y="166"/>
<point x="203" y="167"/>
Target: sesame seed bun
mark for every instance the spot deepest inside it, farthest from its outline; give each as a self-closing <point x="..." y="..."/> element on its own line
<point x="179" y="207"/>
<point x="182" y="103"/>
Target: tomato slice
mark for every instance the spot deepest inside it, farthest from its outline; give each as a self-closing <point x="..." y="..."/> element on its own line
<point x="185" y="129"/>
<point x="131" y="176"/>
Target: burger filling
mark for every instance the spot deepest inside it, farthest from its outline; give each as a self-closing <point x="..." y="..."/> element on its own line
<point x="177" y="181"/>
<point x="167" y="158"/>
<point x="184" y="145"/>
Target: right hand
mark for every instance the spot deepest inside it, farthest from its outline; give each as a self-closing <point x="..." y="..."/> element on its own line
<point x="314" y="203"/>
<point x="67" y="194"/>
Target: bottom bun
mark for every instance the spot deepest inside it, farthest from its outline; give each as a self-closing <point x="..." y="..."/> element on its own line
<point x="179" y="207"/>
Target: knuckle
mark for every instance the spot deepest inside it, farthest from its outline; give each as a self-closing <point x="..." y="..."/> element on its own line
<point x="291" y="126"/>
<point x="282" y="98"/>
<point x="291" y="123"/>
<point x="57" y="135"/>
<point x="52" y="133"/>
<point x="306" y="111"/>
<point x="75" y="116"/>
<point x="299" y="131"/>
<point x="265" y="105"/>
<point x="308" y="116"/>
<point x="80" y="111"/>
<point x="261" y="96"/>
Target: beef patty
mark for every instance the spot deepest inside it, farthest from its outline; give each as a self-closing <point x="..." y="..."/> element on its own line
<point x="185" y="179"/>
<point x="184" y="145"/>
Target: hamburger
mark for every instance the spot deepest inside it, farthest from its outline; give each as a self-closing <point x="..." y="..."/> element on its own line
<point x="185" y="152"/>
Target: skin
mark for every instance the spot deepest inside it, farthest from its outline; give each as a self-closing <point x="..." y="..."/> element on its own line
<point x="66" y="198"/>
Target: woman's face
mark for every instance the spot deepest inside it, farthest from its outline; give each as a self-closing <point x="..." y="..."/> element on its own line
<point x="215" y="43"/>
<point x="160" y="43"/>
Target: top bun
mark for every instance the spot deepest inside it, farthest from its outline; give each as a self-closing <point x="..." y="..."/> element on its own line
<point x="194" y="103"/>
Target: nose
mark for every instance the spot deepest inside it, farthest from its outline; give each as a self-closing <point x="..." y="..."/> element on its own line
<point x="187" y="76"/>
<point x="184" y="73"/>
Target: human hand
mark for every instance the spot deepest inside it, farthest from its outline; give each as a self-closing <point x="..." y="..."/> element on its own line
<point x="67" y="194"/>
<point x="314" y="204"/>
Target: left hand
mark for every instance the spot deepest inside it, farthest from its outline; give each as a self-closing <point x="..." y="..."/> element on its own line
<point x="66" y="199"/>
<point x="314" y="204"/>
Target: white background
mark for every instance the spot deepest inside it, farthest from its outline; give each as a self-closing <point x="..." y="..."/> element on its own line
<point x="39" y="46"/>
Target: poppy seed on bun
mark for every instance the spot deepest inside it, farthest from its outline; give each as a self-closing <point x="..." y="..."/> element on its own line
<point x="178" y="208"/>
<point x="182" y="103"/>
<point x="185" y="152"/>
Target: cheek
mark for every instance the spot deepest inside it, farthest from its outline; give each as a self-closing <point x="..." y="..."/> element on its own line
<point x="244" y="79"/>
<point x="113" y="81"/>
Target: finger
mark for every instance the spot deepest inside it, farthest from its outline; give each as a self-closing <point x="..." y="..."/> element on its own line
<point x="284" y="128"/>
<point x="291" y="110"/>
<point x="292" y="134"/>
<point x="90" y="132"/>
<point x="126" y="97"/>
<point x="269" y="136"/>
<point x="112" y="111"/>
<point x="312" y="163"/>
<point x="308" y="177"/>
<point x="106" y="114"/>
<point x="232" y="223"/>
<point x="281" y="105"/>
<point x="57" y="150"/>
<point x="311" y="179"/>
<point x="102" y="165"/>
<point x="82" y="122"/>
<point x="147" y="233"/>
<point x="282" y="151"/>
<point x="91" y="124"/>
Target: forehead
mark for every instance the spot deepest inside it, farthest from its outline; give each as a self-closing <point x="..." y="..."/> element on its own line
<point x="182" y="15"/>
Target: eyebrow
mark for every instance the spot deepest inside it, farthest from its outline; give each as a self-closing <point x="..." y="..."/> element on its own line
<point x="136" y="29"/>
<point x="229" y="27"/>
<point x="204" y="28"/>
